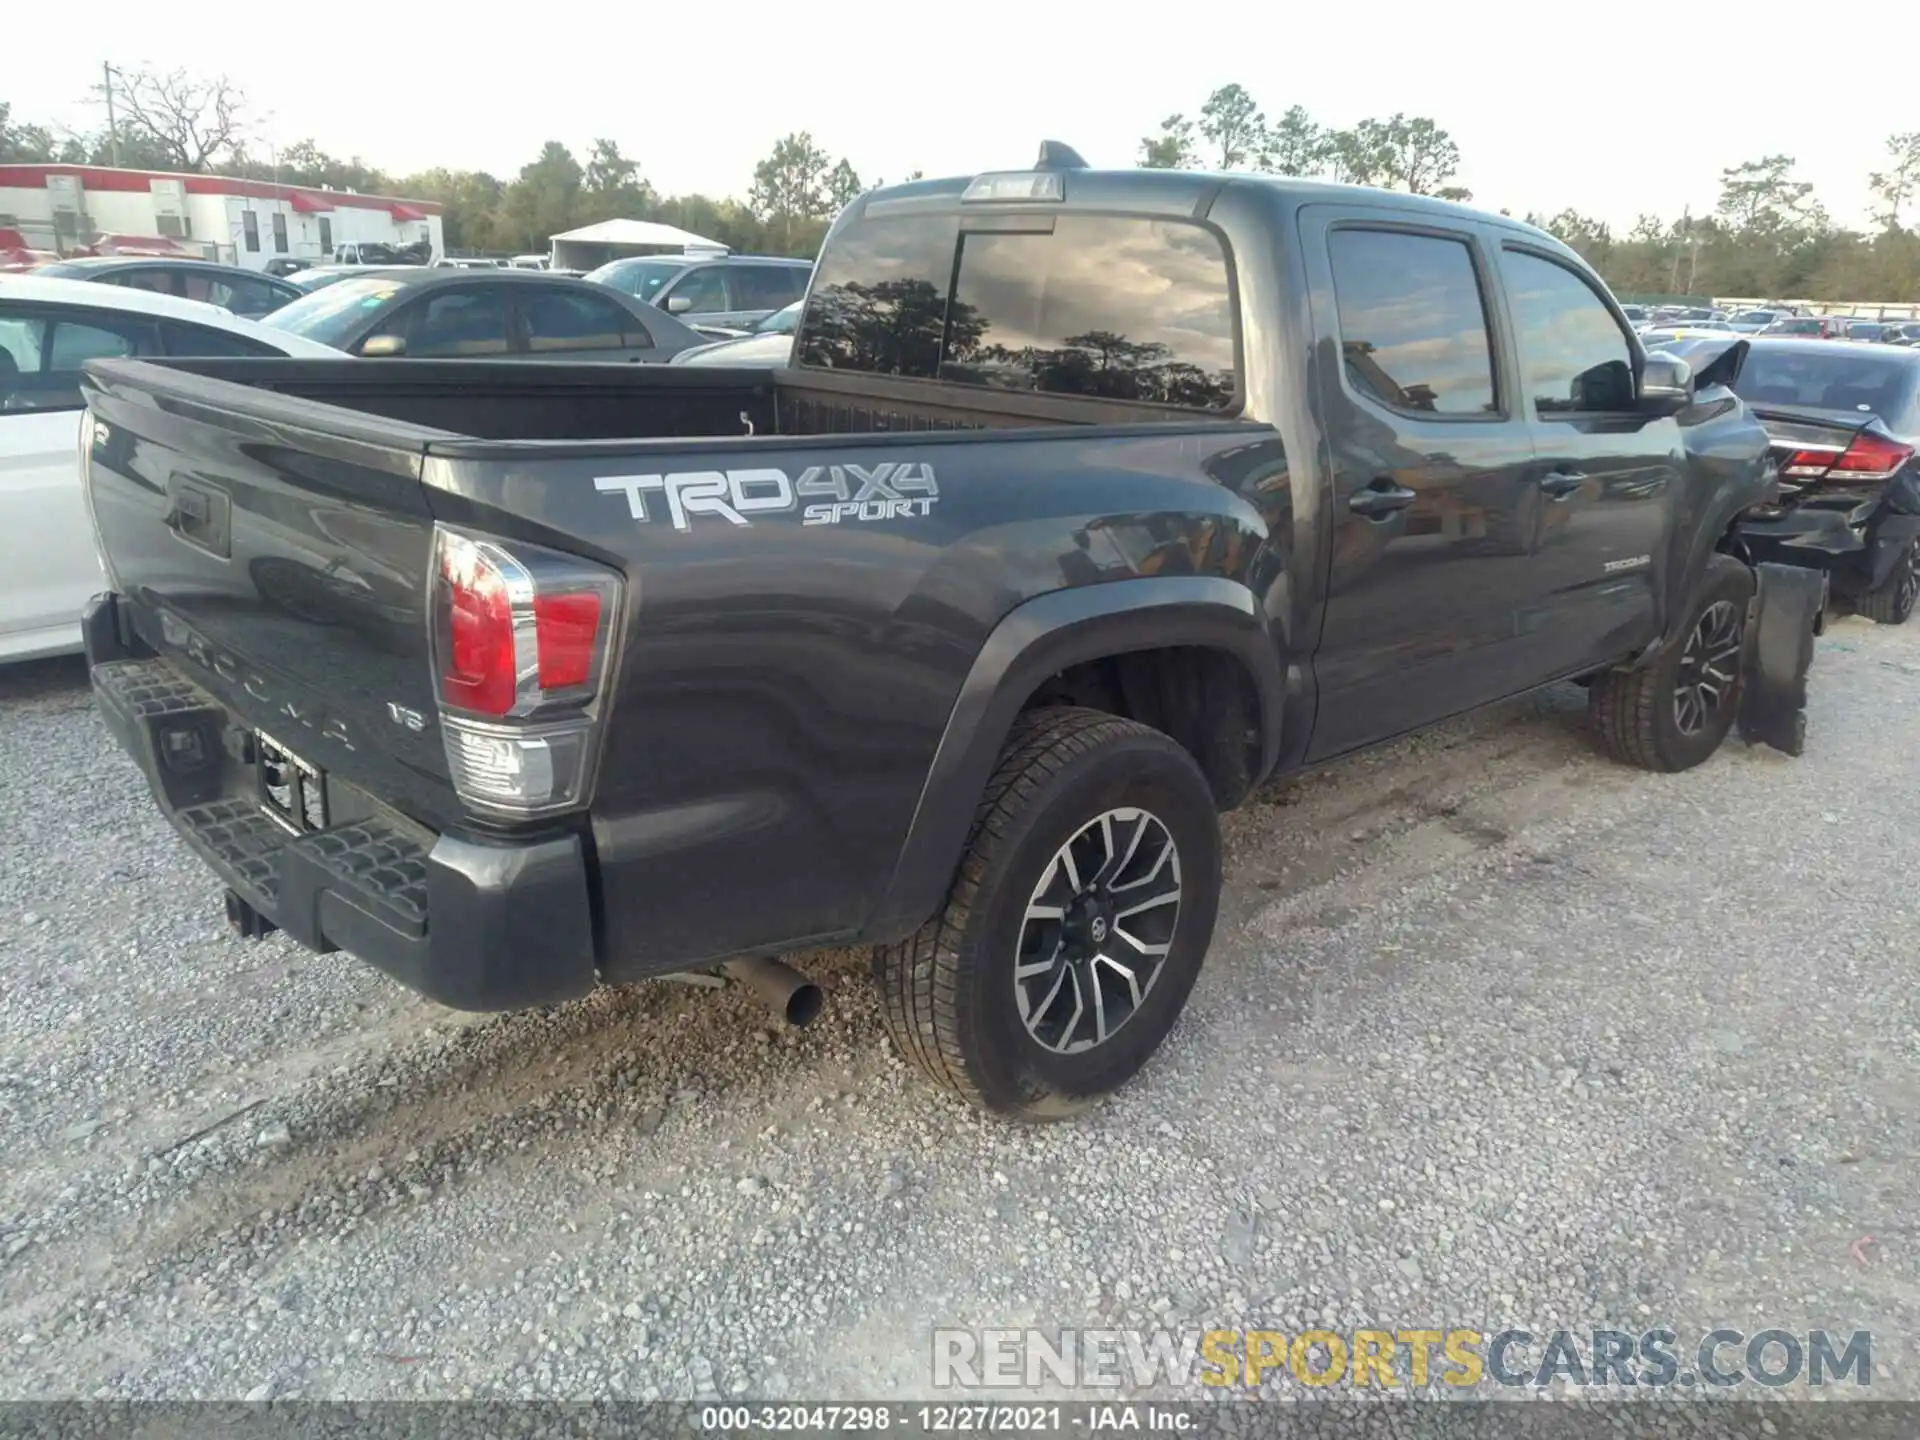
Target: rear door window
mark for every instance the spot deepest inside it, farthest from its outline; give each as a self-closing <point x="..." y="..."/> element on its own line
<point x="765" y="287"/>
<point x="558" y="319"/>
<point x="454" y="324"/>
<point x="41" y="352"/>
<point x="1413" y="322"/>
<point x="161" y="282"/>
<point x="240" y="294"/>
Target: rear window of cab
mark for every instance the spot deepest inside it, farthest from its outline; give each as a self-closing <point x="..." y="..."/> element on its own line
<point x="1128" y="308"/>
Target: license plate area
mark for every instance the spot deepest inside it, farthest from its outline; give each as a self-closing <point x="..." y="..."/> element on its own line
<point x="291" y="791"/>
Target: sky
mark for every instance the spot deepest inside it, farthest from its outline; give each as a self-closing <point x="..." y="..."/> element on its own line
<point x="1551" y="110"/>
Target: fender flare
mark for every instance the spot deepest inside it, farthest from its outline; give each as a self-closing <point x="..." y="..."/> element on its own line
<point x="1684" y="580"/>
<point x="1031" y="643"/>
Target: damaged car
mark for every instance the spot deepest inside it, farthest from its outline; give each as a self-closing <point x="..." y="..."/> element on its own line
<point x="1843" y="425"/>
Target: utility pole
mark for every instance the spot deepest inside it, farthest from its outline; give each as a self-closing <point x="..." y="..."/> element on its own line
<point x="107" y="73"/>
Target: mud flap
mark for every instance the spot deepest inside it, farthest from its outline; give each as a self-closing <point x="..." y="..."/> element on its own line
<point x="1789" y="604"/>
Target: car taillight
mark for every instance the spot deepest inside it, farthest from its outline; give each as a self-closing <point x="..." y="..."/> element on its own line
<point x="522" y="638"/>
<point x="1870" y="457"/>
<point x="1809" y="464"/>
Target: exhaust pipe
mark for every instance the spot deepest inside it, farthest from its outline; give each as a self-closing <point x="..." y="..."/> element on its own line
<point x="783" y="989"/>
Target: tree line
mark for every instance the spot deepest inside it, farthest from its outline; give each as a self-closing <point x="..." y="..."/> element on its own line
<point x="1232" y="132"/>
<point x="1766" y="236"/>
<point x="178" y="121"/>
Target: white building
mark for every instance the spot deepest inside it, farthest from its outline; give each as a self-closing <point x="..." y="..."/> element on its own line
<point x="594" y="245"/>
<point x="240" y="222"/>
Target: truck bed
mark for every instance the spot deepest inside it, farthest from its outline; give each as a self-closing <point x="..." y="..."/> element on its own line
<point x="485" y="400"/>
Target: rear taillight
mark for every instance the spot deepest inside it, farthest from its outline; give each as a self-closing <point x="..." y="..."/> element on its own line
<point x="1870" y="457"/>
<point x="522" y="637"/>
<point x="1866" y="459"/>
<point x="1809" y="464"/>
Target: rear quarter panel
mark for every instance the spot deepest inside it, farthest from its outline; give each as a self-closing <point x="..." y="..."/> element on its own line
<point x="785" y="681"/>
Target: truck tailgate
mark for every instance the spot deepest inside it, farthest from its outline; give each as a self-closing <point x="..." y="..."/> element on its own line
<point x="277" y="550"/>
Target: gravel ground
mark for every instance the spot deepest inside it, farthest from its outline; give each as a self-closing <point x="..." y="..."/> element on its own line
<point x="1492" y="1032"/>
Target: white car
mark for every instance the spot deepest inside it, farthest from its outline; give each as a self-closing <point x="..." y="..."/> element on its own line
<point x="48" y="568"/>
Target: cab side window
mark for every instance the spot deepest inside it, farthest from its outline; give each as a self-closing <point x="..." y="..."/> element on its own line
<point x="1574" y="357"/>
<point x="1413" y="322"/>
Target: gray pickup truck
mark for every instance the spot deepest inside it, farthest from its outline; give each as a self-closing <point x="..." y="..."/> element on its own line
<point x="1090" y="501"/>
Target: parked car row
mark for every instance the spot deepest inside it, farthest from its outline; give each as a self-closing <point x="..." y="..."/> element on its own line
<point x="1778" y="323"/>
<point x="720" y="294"/>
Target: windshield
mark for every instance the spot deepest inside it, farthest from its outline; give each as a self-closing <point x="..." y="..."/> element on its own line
<point x="1757" y="317"/>
<point x="781" y="322"/>
<point x="333" y="312"/>
<point x="1830" y="377"/>
<point x="641" y="279"/>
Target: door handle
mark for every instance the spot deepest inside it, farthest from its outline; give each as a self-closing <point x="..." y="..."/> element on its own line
<point x="1561" y="483"/>
<point x="1380" y="499"/>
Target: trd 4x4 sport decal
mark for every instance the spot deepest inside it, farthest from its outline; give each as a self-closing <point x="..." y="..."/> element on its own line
<point x="890" y="490"/>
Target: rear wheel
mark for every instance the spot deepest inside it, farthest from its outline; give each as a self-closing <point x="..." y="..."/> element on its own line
<point x="1076" y="925"/>
<point x="1674" y="713"/>
<point x="1892" y="600"/>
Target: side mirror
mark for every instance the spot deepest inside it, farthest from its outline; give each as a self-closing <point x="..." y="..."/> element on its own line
<point x="678" y="304"/>
<point x="376" y="346"/>
<point x="1666" y="385"/>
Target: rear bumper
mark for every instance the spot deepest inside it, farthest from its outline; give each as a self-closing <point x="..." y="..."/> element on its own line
<point x="1857" y="547"/>
<point x="474" y="924"/>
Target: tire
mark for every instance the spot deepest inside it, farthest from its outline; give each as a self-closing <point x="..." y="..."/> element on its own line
<point x="1640" y="716"/>
<point x="1892" y="600"/>
<point x="951" y="995"/>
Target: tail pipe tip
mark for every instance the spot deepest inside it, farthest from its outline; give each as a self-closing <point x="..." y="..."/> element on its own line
<point x="783" y="989"/>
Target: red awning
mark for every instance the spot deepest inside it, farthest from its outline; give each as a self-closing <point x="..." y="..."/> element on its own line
<point x="308" y="204"/>
<point x="406" y="212"/>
